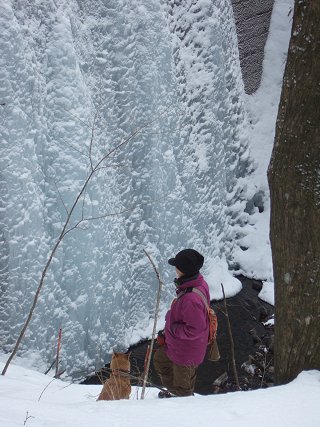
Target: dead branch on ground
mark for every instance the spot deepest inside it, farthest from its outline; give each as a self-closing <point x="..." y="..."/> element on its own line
<point x="233" y="361"/>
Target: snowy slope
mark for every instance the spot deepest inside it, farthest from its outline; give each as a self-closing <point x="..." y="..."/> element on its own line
<point x="23" y="394"/>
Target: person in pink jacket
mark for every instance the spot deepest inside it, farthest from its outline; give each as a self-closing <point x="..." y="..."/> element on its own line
<point x="185" y="337"/>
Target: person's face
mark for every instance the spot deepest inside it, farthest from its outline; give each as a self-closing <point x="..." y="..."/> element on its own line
<point x="179" y="273"/>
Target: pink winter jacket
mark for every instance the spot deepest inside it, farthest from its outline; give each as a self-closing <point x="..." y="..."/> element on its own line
<point x="187" y="325"/>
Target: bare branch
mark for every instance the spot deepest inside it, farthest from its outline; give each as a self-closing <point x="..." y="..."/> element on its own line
<point x="83" y="203"/>
<point x="45" y="388"/>
<point x="60" y="196"/>
<point x="156" y="314"/>
<point x="58" y="353"/>
<point x="69" y="145"/>
<point x="113" y="165"/>
<point x="27" y="418"/>
<point x="97" y="217"/>
<point x="105" y="215"/>
<point x="63" y="233"/>
<point x="77" y="118"/>
<point x="92" y="137"/>
<point x="50" y="367"/>
<point x="233" y="361"/>
<point x="127" y="140"/>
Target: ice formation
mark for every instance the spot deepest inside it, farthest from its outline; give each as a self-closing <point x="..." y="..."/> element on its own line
<point x="77" y="79"/>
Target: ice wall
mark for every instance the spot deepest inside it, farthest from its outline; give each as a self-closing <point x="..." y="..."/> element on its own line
<point x="77" y="79"/>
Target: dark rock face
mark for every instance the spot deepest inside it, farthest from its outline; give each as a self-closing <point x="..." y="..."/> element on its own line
<point x="252" y="342"/>
<point x="252" y="18"/>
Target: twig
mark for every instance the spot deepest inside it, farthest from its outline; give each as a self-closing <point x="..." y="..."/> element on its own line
<point x="113" y="165"/>
<point x="58" y="353"/>
<point x="83" y="204"/>
<point x="77" y="118"/>
<point x="266" y="365"/>
<point x="99" y="375"/>
<point x="45" y="388"/>
<point x="231" y="340"/>
<point x="156" y="314"/>
<point x="50" y="367"/>
<point x="60" y="197"/>
<point x="92" y="137"/>
<point x="59" y="374"/>
<point x="95" y="218"/>
<point x="69" y="145"/>
<point x="105" y="215"/>
<point x="27" y="417"/>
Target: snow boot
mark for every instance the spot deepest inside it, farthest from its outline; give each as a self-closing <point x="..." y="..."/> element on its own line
<point x="164" y="394"/>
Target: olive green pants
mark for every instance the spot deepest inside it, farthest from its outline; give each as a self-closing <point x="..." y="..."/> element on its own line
<point x="179" y="380"/>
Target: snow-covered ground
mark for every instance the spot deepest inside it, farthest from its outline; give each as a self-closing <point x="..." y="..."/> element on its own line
<point x="25" y="400"/>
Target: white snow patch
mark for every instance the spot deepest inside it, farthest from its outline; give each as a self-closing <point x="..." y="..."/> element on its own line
<point x="217" y="274"/>
<point x="269" y="322"/>
<point x="67" y="405"/>
<point x="267" y="293"/>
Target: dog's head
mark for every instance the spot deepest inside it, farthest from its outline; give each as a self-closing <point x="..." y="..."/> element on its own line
<point x="120" y="361"/>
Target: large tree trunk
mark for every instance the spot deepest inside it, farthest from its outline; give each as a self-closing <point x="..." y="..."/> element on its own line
<point x="294" y="179"/>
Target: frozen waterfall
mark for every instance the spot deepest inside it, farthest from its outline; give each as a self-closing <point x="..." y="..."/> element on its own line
<point x="78" y="77"/>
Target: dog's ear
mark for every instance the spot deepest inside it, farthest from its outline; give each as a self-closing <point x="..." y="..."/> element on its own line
<point x="115" y="353"/>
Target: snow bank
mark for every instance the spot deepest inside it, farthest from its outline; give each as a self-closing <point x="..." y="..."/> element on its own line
<point x="67" y="405"/>
<point x="218" y="274"/>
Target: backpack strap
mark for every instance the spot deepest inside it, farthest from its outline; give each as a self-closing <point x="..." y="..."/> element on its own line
<point x="213" y="320"/>
<point x="202" y="295"/>
<point x="185" y="291"/>
<point x="196" y="291"/>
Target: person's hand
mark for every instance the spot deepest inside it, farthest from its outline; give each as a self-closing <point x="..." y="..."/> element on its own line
<point x="161" y="339"/>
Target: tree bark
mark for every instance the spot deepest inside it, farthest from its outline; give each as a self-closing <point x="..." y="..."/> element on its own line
<point x="294" y="180"/>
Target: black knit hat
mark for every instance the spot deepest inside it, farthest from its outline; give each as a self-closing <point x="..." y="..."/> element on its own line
<point x="188" y="261"/>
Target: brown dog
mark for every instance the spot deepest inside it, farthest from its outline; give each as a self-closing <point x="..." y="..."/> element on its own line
<point x="118" y="385"/>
